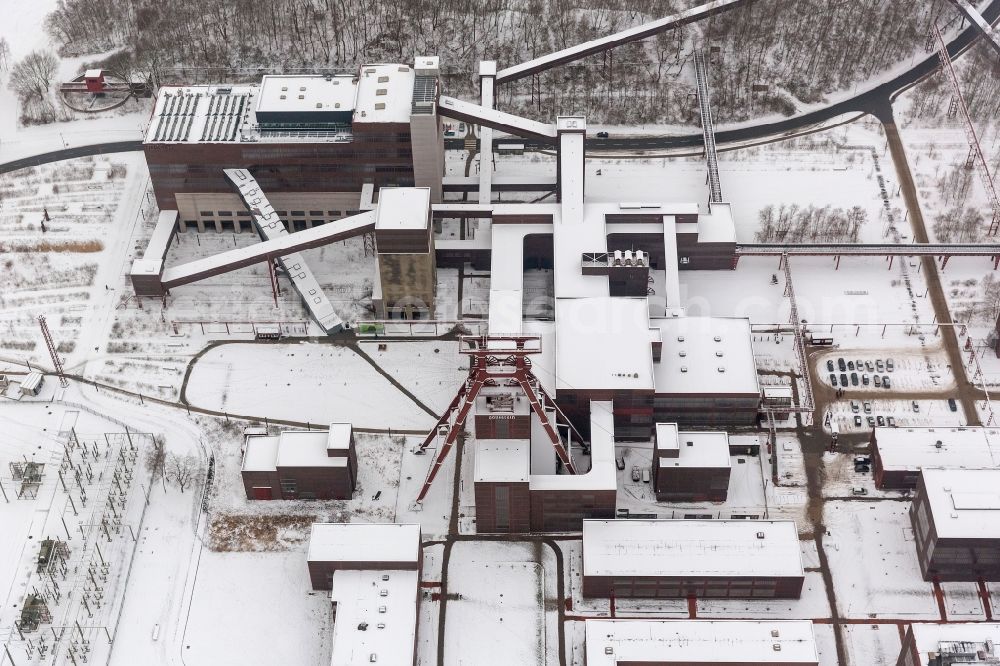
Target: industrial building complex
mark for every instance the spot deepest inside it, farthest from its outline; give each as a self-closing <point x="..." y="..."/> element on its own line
<point x="435" y="383"/>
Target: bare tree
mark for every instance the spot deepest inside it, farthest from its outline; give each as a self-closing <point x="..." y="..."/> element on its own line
<point x="183" y="470"/>
<point x="156" y="460"/>
<point x="4" y="54"/>
<point x="32" y="77"/>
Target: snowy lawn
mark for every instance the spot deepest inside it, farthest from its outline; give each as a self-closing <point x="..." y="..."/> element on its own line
<point x="509" y="620"/>
<point x="316" y="383"/>
<point x="249" y="607"/>
<point x="874" y="561"/>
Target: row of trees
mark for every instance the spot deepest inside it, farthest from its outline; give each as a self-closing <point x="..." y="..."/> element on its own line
<point x="768" y="55"/>
<point x="810" y="224"/>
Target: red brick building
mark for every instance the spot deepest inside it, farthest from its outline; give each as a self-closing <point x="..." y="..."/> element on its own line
<point x="373" y="574"/>
<point x="301" y="464"/>
<point x="690" y="466"/>
<point x="518" y="490"/>
<point x="950" y="644"/>
<point x="735" y="559"/>
<point x="898" y="454"/>
<point x="956" y="524"/>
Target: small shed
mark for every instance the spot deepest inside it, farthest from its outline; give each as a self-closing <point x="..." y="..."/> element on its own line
<point x="32" y="383"/>
<point x="94" y="80"/>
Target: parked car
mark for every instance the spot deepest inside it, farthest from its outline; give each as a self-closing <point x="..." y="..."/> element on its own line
<point x="871" y="421"/>
<point x="843" y="379"/>
<point x="865" y="380"/>
<point x="889" y="365"/>
<point x="857" y="420"/>
<point x="855" y="407"/>
<point x="890" y="421"/>
<point x="952" y="405"/>
<point x="602" y="135"/>
<point x="636" y="474"/>
<point x="829" y="364"/>
<point x="880" y="420"/>
<point x="645" y="475"/>
<point x="869" y="366"/>
<point x="862" y="469"/>
<point x="850" y="365"/>
<point x="879" y="365"/>
<point x="885" y="381"/>
<point x="859" y="490"/>
<point x="841" y="364"/>
<point x="868" y="407"/>
<point x="859" y="364"/>
<point x="878" y="381"/>
<point x="833" y="379"/>
<point x="862" y="460"/>
<point x="915" y="405"/>
<point x="854" y="379"/>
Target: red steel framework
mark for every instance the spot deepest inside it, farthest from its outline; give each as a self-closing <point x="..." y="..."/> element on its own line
<point x="494" y="361"/>
<point x="976" y="157"/>
<point x="56" y="362"/>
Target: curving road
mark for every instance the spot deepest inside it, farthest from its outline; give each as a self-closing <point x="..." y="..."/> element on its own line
<point x="70" y="153"/>
<point x="875" y="101"/>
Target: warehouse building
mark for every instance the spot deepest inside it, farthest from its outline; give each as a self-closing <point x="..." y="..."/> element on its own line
<point x="898" y="454"/>
<point x="735" y="559"/>
<point x="301" y="464"/>
<point x="956" y="523"/>
<point x="700" y="642"/>
<point x="373" y="574"/>
<point x="952" y="644"/>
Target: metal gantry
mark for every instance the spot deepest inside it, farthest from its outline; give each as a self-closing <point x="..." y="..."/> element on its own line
<point x="56" y="361"/>
<point x="708" y="128"/>
<point x="976" y="157"/>
<point x="494" y="361"/>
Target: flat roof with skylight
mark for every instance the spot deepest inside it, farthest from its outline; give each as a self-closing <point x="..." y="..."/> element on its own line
<point x="691" y="548"/>
<point x="915" y="448"/>
<point x="376" y="617"/>
<point x="705" y="355"/>
<point x="611" y="642"/>
<point x="964" y="503"/>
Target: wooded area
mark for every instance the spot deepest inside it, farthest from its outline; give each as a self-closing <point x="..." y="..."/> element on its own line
<point x="810" y="224"/>
<point x="765" y="58"/>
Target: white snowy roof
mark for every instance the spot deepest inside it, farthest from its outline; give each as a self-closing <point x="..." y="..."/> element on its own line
<point x="965" y="503"/>
<point x="694" y="449"/>
<point x="691" y="548"/>
<point x="306" y="92"/>
<point x="717" y="226"/>
<point x="694" y="350"/>
<point x="502" y="460"/>
<point x="603" y="474"/>
<point x="403" y="208"/>
<point x="357" y="542"/>
<point x="297" y="448"/>
<point x="578" y="229"/>
<point x="928" y="637"/>
<point x="32" y="381"/>
<point x="611" y="642"/>
<point x="385" y="94"/>
<point x="604" y="343"/>
<point x="261" y="453"/>
<point x="914" y="448"/>
<point x="306" y="448"/>
<point x="376" y="620"/>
